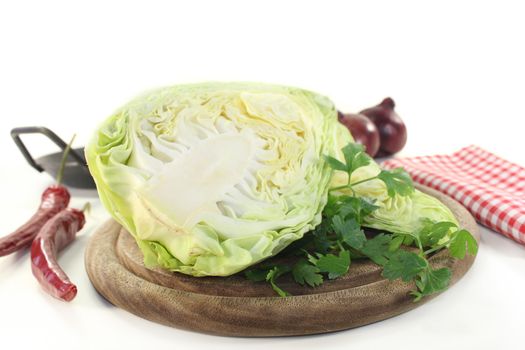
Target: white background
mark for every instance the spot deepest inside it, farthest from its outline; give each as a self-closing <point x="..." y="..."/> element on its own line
<point x="455" y="69"/>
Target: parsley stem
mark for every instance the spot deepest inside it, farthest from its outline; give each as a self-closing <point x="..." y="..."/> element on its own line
<point x="436" y="248"/>
<point x="350" y="185"/>
<point x="417" y="240"/>
<point x="364" y="180"/>
<point x="420" y="246"/>
<point x="339" y="187"/>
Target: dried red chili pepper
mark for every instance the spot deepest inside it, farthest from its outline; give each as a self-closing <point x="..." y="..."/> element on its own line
<point x="54" y="199"/>
<point x="53" y="237"/>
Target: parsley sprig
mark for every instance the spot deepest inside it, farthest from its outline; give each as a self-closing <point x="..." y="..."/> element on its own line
<point x="397" y="181"/>
<point x="327" y="252"/>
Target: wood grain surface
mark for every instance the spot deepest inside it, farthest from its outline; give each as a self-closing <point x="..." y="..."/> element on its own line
<point x="234" y="306"/>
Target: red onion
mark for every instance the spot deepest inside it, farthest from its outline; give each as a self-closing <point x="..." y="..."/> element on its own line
<point x="392" y="130"/>
<point x="363" y="131"/>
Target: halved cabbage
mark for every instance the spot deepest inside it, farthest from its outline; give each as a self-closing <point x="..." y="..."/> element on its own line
<point x="212" y="178"/>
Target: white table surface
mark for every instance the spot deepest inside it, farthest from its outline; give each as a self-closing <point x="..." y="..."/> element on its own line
<point x="456" y="71"/>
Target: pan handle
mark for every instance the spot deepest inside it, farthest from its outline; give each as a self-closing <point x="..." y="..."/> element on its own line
<point x="16" y="132"/>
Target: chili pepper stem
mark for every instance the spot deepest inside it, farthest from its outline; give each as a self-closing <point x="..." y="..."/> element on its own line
<point x="86" y="208"/>
<point x="62" y="167"/>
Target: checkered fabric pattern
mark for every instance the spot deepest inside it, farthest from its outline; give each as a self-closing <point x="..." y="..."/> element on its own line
<point x="491" y="188"/>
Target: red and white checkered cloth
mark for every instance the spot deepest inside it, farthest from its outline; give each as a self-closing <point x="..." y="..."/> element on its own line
<point x="490" y="187"/>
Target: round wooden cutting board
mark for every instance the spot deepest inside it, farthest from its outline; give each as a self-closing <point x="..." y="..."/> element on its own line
<point x="235" y="306"/>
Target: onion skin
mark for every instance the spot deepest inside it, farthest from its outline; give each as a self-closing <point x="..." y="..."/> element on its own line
<point x="392" y="130"/>
<point x="363" y="131"/>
